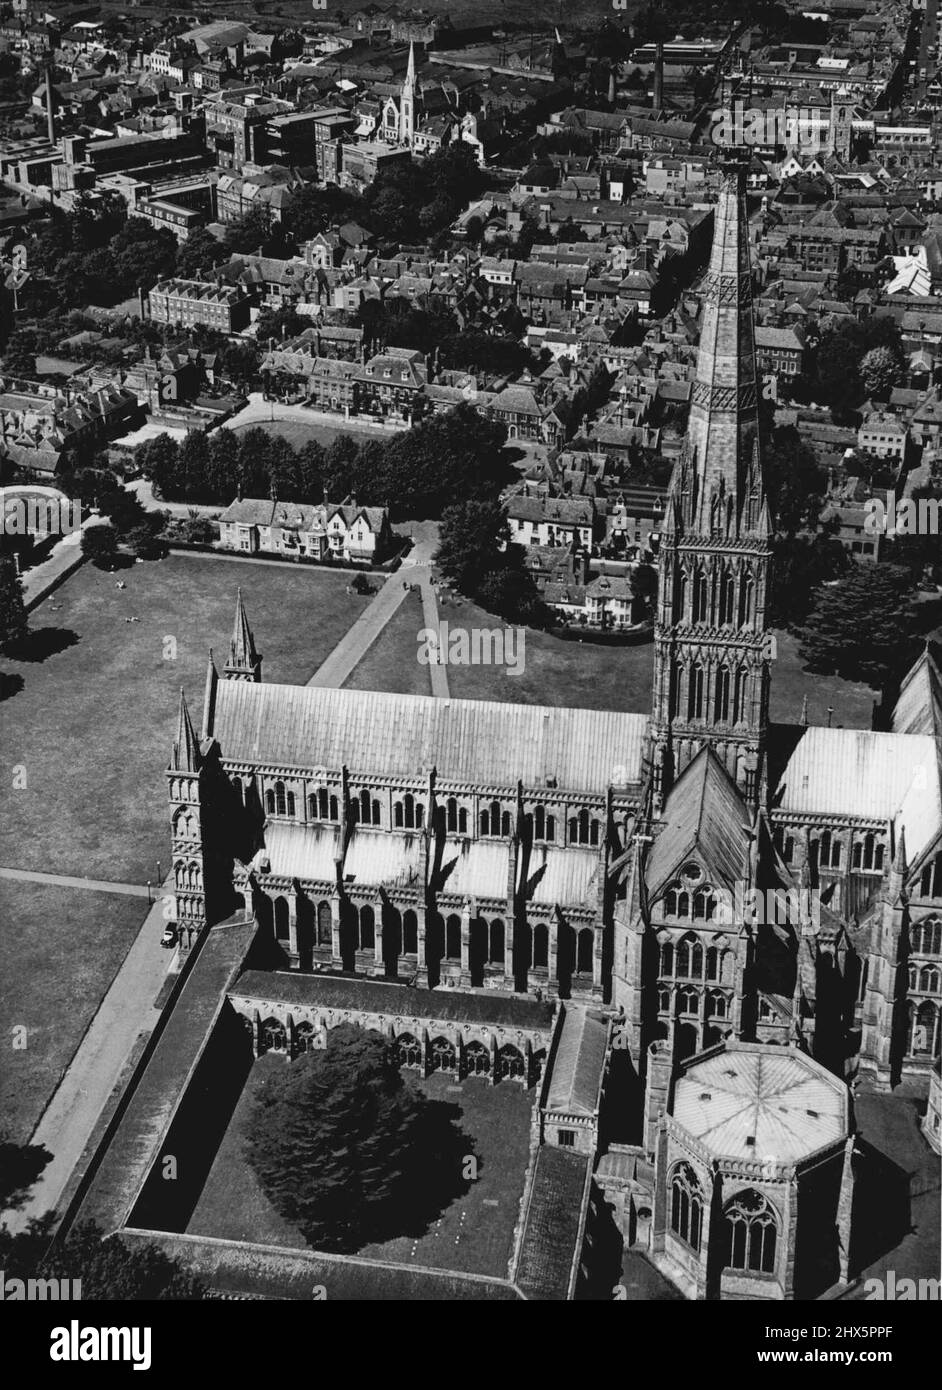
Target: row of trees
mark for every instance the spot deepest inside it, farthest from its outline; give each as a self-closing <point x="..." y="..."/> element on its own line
<point x="416" y="473"/>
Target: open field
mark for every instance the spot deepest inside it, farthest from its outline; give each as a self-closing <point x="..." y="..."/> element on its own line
<point x="300" y="432"/>
<point x="92" y="722"/>
<point x="588" y="675"/>
<point x="60" y="948"/>
<point x="391" y="663"/>
<point x="474" y="1234"/>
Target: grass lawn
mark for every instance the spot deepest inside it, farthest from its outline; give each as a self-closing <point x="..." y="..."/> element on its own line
<point x="474" y="1234"/>
<point x="301" y="432"/>
<point x="94" y="719"/>
<point x="59" y="951"/>
<point x="587" y="675"/>
<point x="391" y="663"/>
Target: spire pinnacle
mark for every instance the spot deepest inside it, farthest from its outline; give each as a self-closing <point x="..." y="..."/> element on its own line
<point x="186" y="752"/>
<point x="244" y="661"/>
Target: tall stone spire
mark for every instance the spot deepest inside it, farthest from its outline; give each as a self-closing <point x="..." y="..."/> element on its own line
<point x="244" y="662"/>
<point x="711" y="649"/>
<point x="721" y="483"/>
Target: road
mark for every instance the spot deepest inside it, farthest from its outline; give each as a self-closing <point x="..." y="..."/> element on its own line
<point x="97" y="885"/>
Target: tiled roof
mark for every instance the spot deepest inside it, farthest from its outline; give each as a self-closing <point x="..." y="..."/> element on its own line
<point x="872" y="775"/>
<point x="479" y="742"/>
<point x="762" y="1104"/>
<point x="703" y="812"/>
<point x="579" y="1064"/>
<point x="549" y="1248"/>
<point x="398" y="1001"/>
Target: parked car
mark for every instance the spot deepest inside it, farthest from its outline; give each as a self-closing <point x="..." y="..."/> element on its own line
<point x="169" y="937"/>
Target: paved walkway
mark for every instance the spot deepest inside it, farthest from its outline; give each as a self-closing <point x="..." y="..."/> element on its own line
<point x="126" y="1011"/>
<point x="416" y="569"/>
<point x="65" y="556"/>
<point x="97" y="885"/>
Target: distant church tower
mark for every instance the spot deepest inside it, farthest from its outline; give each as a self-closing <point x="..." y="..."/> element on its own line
<point x="712" y="651"/>
<point x="244" y="662"/>
<point x="407" y="102"/>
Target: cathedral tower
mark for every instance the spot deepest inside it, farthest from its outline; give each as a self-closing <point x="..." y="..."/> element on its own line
<point x="244" y="662"/>
<point x="712" y="649"/>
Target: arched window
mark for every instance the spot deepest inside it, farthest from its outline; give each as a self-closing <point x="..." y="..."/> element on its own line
<point x="927" y="937"/>
<point x="585" y="946"/>
<point x="721" y="694"/>
<point x="727" y="597"/>
<point x="305" y="1039"/>
<point x="323" y="804"/>
<point x="540" y="946"/>
<point x="367" y="928"/>
<point x="667" y="959"/>
<point x="539" y="823"/>
<point x="670" y="902"/>
<point x="410" y="933"/>
<point x="704" y="903"/>
<point x="688" y="1000"/>
<point x="325" y="924"/>
<point x="751" y="1233"/>
<point x="462" y="820"/>
<point x="442" y="1055"/>
<point x="712" y="963"/>
<point x="274" y="1036"/>
<point x="453" y="937"/>
<point x="408" y="1051"/>
<point x="397" y="815"/>
<point x="930" y="881"/>
<point x="717" y="1004"/>
<point x="663" y="1000"/>
<point x="505" y="824"/>
<point x="695" y="693"/>
<point x="739" y="696"/>
<point x="690" y="959"/>
<point x="270" y="801"/>
<point x="496" y="943"/>
<point x="365" y="808"/>
<point x="746" y="591"/>
<point x="510" y="1062"/>
<point x="686" y="1205"/>
<point x="680" y="600"/>
<point x="281" y="919"/>
<point x="701" y="596"/>
<point x="451" y="814"/>
<point x="477" y="1059"/>
<point x="929" y="979"/>
<point x="923" y="1029"/>
<point x="280" y="802"/>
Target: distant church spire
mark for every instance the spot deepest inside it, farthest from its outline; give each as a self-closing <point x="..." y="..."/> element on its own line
<point x="407" y="102"/>
<point x="244" y="663"/>
<point x="186" y="752"/>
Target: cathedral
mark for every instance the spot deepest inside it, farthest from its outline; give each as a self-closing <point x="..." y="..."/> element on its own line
<point x="752" y="910"/>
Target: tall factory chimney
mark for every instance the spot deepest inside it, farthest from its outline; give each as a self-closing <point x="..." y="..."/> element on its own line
<point x="50" y="115"/>
<point x="657" y="99"/>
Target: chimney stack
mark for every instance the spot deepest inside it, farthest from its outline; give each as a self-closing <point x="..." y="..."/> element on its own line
<point x="657" y="100"/>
